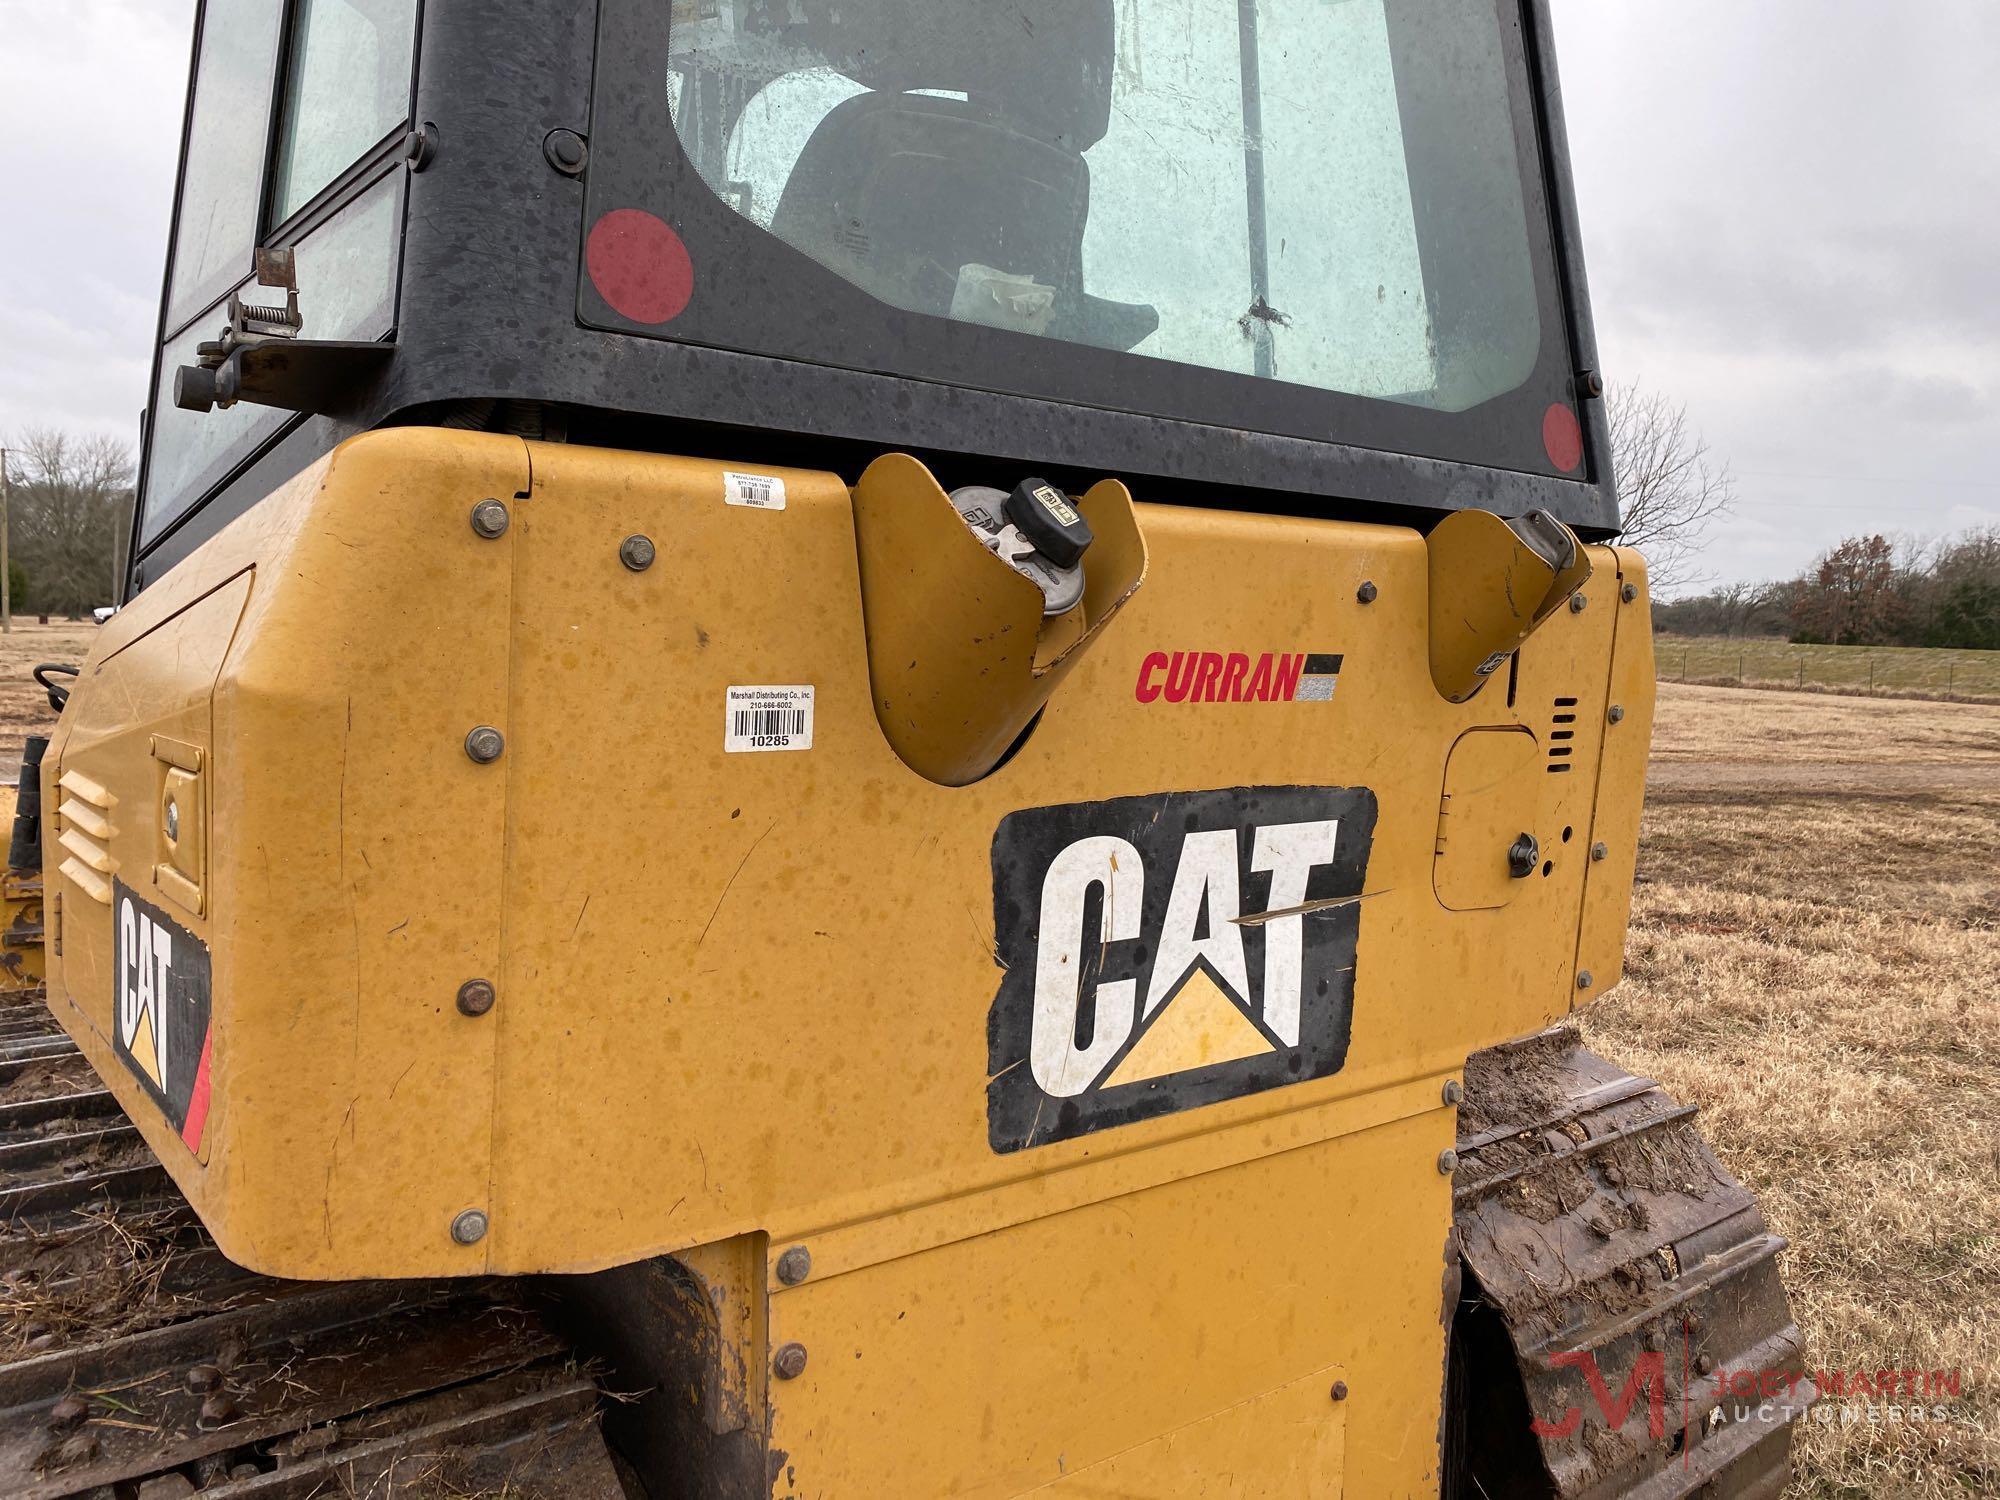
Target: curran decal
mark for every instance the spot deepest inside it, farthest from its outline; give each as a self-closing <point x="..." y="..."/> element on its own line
<point x="1237" y="677"/>
<point x="1169" y="951"/>
<point x="161" y="984"/>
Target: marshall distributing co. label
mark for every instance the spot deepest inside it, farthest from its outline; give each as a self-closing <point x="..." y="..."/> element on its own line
<point x="767" y="718"/>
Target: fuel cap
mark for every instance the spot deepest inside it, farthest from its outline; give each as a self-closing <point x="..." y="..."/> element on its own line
<point x="1046" y="518"/>
<point x="983" y="511"/>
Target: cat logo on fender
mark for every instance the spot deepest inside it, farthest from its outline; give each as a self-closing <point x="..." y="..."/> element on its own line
<point x="160" y="989"/>
<point x="1170" y="951"/>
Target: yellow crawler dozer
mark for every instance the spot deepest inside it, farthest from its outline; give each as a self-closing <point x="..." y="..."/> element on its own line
<point x="862" y="749"/>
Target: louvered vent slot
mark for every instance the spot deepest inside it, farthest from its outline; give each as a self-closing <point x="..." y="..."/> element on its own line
<point x="84" y="816"/>
<point x="1562" y="730"/>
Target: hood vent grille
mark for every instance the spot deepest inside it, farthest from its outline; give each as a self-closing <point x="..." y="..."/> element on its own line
<point x="1562" y="734"/>
<point x="84" y="816"/>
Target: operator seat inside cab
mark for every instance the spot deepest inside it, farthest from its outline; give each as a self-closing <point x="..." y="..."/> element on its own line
<point x="969" y="200"/>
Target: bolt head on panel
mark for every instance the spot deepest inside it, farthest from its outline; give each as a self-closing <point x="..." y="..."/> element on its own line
<point x="1447" y="1162"/>
<point x="566" y="151"/>
<point x="484" y="744"/>
<point x="795" y="1265"/>
<point x="420" y="146"/>
<point x="469" y="1228"/>
<point x="489" y="519"/>
<point x="789" y="1363"/>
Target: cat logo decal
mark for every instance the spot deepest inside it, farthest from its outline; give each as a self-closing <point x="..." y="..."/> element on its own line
<point x="162" y="1009"/>
<point x="1169" y="951"/>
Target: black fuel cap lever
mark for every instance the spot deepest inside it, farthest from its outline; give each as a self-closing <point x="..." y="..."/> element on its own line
<point x="1046" y="518"/>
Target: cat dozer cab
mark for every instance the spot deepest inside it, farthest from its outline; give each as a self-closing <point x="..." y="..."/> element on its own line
<point x="858" y="749"/>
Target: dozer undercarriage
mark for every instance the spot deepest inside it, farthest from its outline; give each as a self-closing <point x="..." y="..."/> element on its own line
<point x="141" y="1362"/>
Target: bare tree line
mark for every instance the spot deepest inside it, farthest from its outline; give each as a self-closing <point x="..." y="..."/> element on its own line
<point x="1865" y="591"/>
<point x="69" y="511"/>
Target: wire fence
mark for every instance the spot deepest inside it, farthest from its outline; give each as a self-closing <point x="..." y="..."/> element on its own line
<point x="1972" y="676"/>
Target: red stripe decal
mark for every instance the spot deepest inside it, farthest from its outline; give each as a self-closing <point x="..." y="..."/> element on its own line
<point x="197" y="1115"/>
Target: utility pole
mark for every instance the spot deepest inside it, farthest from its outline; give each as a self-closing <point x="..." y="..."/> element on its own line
<point x="6" y="572"/>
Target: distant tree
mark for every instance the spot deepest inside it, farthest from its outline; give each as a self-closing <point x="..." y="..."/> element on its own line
<point x="1670" y="489"/>
<point x="1852" y="596"/>
<point x="1781" y="605"/>
<point x="1737" y="609"/>
<point x="1871" y="591"/>
<point x="70" y="503"/>
<point x="1964" y="593"/>
<point x="1968" y="617"/>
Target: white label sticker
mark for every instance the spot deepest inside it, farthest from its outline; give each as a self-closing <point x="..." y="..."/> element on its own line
<point x="768" y="718"/>
<point x="760" y="491"/>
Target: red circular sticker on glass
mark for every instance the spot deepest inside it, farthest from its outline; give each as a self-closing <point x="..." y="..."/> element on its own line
<point x="639" y="265"/>
<point x="1562" y="438"/>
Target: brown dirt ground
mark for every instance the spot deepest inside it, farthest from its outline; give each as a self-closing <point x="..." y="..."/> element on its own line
<point x="24" y="708"/>
<point x="1759" y="727"/>
<point x="1813" y="961"/>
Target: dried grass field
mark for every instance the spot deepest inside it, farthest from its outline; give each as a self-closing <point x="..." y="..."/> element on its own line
<point x="1814" y="962"/>
<point x="24" y="708"/>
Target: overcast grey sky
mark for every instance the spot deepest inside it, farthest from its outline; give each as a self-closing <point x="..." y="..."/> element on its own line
<point x="1791" y="210"/>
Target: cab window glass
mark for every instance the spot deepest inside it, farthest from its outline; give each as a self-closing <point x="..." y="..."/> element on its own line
<point x="1235" y="186"/>
<point x="349" y="86"/>
<point x="220" y="188"/>
<point x="347" y="266"/>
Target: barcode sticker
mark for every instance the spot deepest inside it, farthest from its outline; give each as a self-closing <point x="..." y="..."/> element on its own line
<point x="760" y="491"/>
<point x="768" y="718"/>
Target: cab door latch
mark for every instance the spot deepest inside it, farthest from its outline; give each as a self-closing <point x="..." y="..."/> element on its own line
<point x="260" y="357"/>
